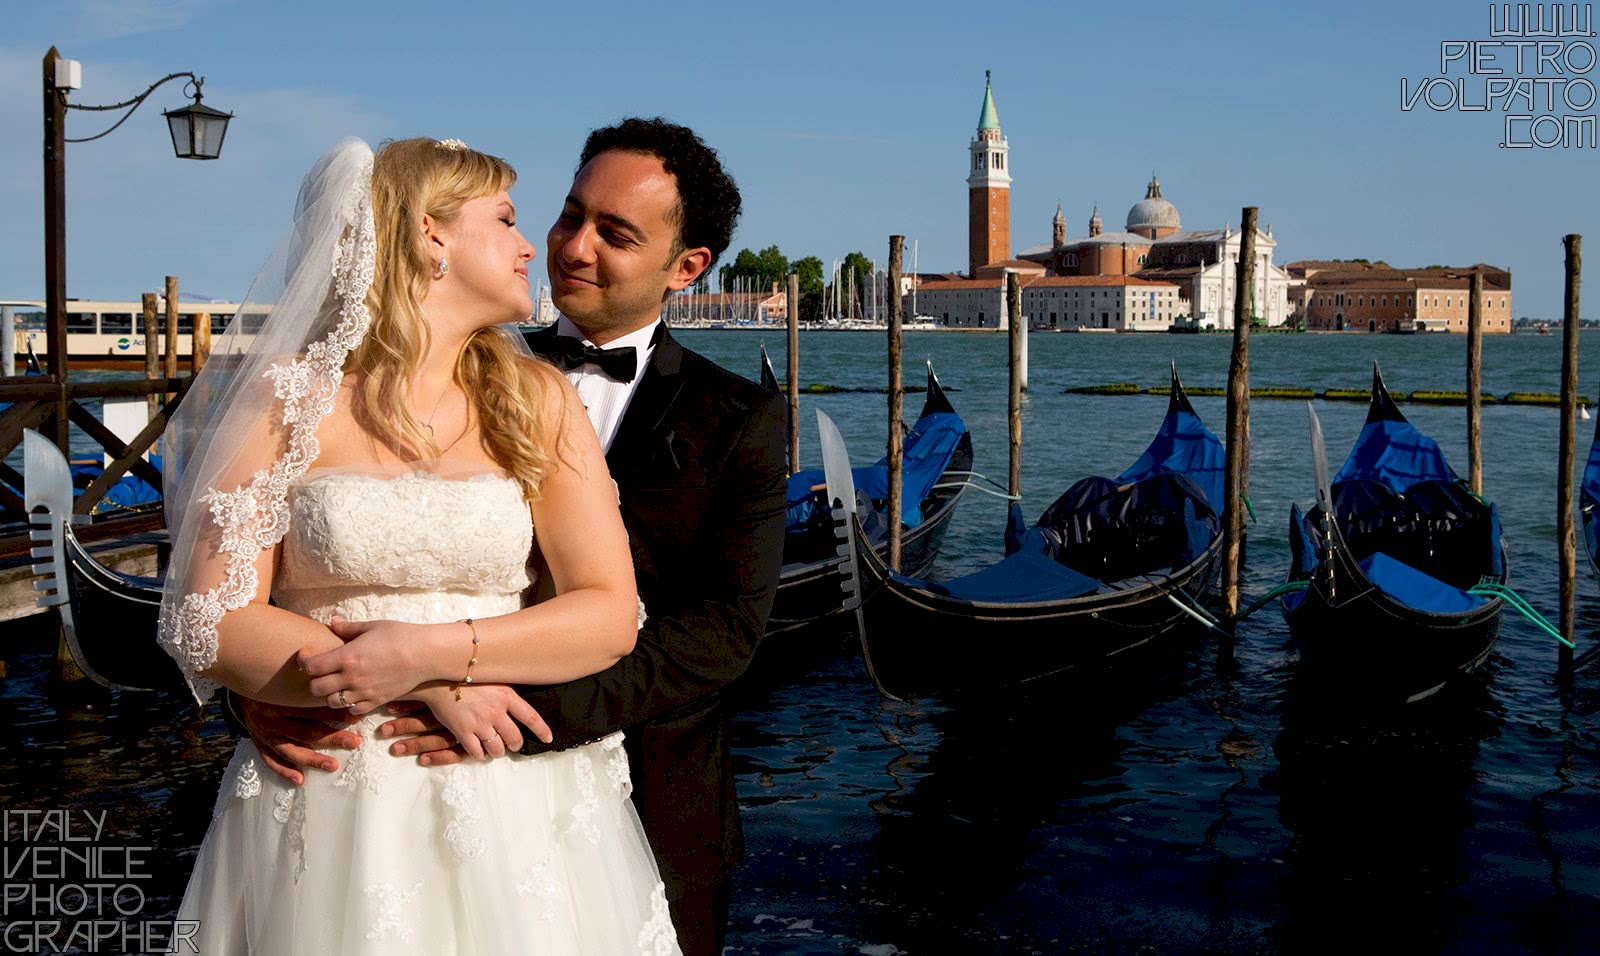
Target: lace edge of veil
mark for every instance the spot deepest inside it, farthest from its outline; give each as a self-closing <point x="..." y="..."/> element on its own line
<point x="254" y="517"/>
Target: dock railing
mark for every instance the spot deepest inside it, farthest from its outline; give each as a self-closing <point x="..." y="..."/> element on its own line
<point x="48" y="403"/>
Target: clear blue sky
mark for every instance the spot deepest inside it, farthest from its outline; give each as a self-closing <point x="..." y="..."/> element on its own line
<point x="843" y="124"/>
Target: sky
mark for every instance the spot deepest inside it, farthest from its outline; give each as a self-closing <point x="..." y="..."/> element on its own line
<point x="843" y="123"/>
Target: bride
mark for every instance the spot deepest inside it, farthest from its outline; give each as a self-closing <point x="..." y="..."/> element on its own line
<point x="360" y="480"/>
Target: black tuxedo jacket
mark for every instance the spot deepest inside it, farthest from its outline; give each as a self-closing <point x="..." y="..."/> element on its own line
<point x="699" y="458"/>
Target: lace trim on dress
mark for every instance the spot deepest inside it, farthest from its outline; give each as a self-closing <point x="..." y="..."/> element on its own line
<point x="247" y="783"/>
<point x="584" y="814"/>
<point x="548" y="890"/>
<point x="461" y="797"/>
<point x="656" y="937"/>
<point x="391" y="916"/>
<point x="254" y="518"/>
<point x="617" y="764"/>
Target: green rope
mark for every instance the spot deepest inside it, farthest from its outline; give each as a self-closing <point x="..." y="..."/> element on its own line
<point x="1287" y="587"/>
<point x="1249" y="507"/>
<point x="1504" y="593"/>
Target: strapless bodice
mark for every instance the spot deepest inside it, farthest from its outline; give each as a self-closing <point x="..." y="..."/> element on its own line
<point x="414" y="547"/>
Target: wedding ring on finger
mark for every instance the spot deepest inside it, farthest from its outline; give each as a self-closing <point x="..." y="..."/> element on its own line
<point x="344" y="701"/>
<point x="491" y="738"/>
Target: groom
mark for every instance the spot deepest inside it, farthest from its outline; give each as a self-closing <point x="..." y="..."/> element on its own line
<point x="698" y="455"/>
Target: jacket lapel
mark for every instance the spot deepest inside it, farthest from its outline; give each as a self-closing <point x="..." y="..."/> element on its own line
<point x="638" y="439"/>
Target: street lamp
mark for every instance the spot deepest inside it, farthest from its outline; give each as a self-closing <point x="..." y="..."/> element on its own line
<point x="197" y="129"/>
<point x="197" y="132"/>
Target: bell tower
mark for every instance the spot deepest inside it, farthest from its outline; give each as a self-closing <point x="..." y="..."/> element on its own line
<point x="988" y="189"/>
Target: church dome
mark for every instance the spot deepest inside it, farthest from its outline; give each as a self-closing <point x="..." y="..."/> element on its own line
<point x="1153" y="212"/>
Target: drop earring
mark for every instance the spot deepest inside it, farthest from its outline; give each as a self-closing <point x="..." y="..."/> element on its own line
<point x="444" y="268"/>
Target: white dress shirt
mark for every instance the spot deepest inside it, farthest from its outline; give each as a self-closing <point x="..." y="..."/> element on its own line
<point x="605" y="398"/>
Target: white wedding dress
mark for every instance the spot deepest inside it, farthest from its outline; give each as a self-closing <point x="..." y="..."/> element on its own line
<point x="541" y="854"/>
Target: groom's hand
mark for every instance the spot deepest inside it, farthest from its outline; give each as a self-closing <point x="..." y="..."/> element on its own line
<point x="290" y="737"/>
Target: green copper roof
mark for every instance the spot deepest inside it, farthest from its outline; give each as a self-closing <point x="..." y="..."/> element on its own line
<point x="988" y="119"/>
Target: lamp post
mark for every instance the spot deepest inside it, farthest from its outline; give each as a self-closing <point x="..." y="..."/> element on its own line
<point x="197" y="132"/>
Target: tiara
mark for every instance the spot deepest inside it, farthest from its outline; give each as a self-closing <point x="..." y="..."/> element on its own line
<point x="454" y="145"/>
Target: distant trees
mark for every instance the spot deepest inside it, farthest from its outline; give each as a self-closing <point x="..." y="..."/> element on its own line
<point x="809" y="271"/>
<point x="855" y="275"/>
<point x="757" y="271"/>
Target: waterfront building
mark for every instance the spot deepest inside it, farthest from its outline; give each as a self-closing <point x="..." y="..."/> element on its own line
<point x="1376" y="297"/>
<point x="1063" y="303"/>
<point x="1153" y="247"/>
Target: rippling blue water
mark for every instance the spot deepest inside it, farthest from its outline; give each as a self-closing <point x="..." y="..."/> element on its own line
<point x="1172" y="806"/>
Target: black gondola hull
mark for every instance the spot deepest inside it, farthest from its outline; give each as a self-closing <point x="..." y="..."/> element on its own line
<point x="114" y="617"/>
<point x="1355" y="640"/>
<point x="920" y="643"/>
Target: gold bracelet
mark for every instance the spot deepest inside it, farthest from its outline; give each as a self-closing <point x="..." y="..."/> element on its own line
<point x="468" y="679"/>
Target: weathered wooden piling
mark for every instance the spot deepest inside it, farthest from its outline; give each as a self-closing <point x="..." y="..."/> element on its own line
<point x="1569" y="411"/>
<point x="1475" y="385"/>
<point x="1018" y="377"/>
<point x="200" y="342"/>
<point x="152" y="350"/>
<point x="1235" y="478"/>
<point x="896" y="395"/>
<point x="171" y="365"/>
<point x="8" y="342"/>
<point x="794" y="372"/>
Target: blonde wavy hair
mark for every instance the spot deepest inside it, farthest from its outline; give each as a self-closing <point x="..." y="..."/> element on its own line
<point x="508" y="390"/>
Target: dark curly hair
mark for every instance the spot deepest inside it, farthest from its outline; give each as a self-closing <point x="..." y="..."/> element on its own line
<point x="708" y="198"/>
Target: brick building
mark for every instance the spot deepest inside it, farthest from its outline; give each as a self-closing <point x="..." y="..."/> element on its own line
<point x="1376" y="297"/>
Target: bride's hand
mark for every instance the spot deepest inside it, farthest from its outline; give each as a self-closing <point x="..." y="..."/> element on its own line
<point x="379" y="662"/>
<point x="484" y="722"/>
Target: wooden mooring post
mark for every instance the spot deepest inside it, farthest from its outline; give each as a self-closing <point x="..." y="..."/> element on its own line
<point x="152" y="350"/>
<point x="896" y="396"/>
<point x="1014" y="335"/>
<point x="1235" y="478"/>
<point x="1475" y="385"/>
<point x="200" y="343"/>
<point x="171" y="365"/>
<point x="1569" y="410"/>
<point x="793" y="363"/>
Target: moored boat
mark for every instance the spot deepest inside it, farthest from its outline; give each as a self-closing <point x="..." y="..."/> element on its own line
<point x="108" y="618"/>
<point x="938" y="456"/>
<point x="1111" y="565"/>
<point x="1390" y="554"/>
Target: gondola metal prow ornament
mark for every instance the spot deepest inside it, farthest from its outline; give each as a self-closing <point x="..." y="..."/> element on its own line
<point x="842" y="507"/>
<point x="1319" y="467"/>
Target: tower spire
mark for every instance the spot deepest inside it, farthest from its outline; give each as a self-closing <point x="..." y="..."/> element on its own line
<point x="988" y="118"/>
<point x="988" y="188"/>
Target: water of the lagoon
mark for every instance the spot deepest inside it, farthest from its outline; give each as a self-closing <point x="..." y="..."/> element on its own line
<point x="1170" y="806"/>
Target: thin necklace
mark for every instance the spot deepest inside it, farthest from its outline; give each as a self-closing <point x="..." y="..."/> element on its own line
<point x="429" y="423"/>
<point x="439" y="401"/>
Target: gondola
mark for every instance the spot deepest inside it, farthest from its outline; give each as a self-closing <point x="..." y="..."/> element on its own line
<point x="1589" y="503"/>
<point x="1387" y="615"/>
<point x="938" y="455"/>
<point x="107" y="618"/>
<point x="1112" y="565"/>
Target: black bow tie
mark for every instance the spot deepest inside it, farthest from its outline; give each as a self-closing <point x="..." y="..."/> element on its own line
<point x="568" y="353"/>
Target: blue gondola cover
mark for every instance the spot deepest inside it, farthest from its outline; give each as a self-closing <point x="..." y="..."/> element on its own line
<point x="1413" y="588"/>
<point x="1184" y="446"/>
<point x="1397" y="454"/>
<point x="928" y="447"/>
<point x="1024" y="577"/>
